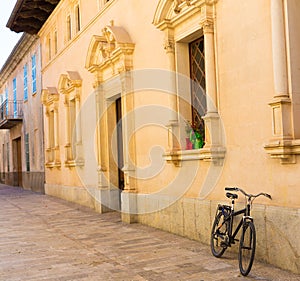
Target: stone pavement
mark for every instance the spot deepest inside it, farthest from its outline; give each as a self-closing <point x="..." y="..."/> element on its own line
<point x="45" y="238"/>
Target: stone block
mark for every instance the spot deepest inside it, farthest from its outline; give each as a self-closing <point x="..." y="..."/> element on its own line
<point x="283" y="237"/>
<point x="129" y="207"/>
<point x="176" y="219"/>
<point x="189" y="219"/>
<point x="203" y="217"/>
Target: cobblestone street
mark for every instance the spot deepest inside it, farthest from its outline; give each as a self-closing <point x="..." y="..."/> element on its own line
<point x="45" y="238"/>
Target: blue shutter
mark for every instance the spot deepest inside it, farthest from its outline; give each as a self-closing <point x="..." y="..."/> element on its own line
<point x="15" y="97"/>
<point x="25" y="83"/>
<point x="33" y="69"/>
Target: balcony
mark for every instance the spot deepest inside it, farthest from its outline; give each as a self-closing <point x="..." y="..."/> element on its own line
<point x="11" y="114"/>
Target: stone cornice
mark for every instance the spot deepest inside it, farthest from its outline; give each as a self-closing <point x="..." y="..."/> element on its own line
<point x="17" y="54"/>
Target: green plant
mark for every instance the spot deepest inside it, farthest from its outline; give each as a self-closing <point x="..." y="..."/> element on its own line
<point x="194" y="134"/>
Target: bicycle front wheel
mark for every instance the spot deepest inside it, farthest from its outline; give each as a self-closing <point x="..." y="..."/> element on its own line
<point x="218" y="236"/>
<point x="247" y="248"/>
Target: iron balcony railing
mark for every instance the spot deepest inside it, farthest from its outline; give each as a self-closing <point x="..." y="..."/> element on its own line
<point x="11" y="112"/>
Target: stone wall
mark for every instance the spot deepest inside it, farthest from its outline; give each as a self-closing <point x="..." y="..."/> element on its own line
<point x="276" y="228"/>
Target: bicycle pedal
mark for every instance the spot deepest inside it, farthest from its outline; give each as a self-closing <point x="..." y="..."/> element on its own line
<point x="223" y="244"/>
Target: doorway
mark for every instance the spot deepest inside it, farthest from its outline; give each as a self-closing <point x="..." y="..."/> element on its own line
<point x="121" y="183"/>
<point x="17" y="161"/>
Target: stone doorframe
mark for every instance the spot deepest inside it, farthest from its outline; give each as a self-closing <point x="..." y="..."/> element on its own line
<point x="109" y="59"/>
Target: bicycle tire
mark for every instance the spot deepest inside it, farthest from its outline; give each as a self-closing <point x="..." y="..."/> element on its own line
<point x="247" y="248"/>
<point x="217" y="238"/>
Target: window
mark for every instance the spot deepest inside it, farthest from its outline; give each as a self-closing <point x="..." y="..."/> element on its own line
<point x="77" y="18"/>
<point x="198" y="93"/>
<point x="25" y="83"/>
<point x="6" y="100"/>
<point x="49" y="47"/>
<point x="55" y="42"/>
<point x="72" y="91"/>
<point x="69" y="28"/>
<point x="33" y="73"/>
<point x="51" y="130"/>
<point x="7" y="156"/>
<point x="71" y="125"/>
<point x="15" y="107"/>
<point x="3" y="158"/>
<point x="50" y="99"/>
<point x="183" y="23"/>
<point x="35" y="150"/>
<point x="27" y="152"/>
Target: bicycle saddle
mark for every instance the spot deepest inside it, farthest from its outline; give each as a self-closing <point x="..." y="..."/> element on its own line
<point x="232" y="195"/>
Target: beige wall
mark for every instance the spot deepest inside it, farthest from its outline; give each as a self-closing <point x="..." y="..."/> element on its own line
<point x="31" y="123"/>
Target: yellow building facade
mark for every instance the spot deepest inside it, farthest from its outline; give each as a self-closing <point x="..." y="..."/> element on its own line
<point x="151" y="108"/>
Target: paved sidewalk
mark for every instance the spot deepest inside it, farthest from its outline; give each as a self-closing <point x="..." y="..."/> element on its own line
<point x="45" y="238"/>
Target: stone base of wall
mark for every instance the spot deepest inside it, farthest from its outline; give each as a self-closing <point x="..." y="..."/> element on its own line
<point x="101" y="200"/>
<point x="278" y="238"/>
<point x="34" y="181"/>
<point x="28" y="180"/>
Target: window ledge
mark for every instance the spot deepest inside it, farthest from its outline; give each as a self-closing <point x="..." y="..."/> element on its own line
<point x="285" y="150"/>
<point x="211" y="154"/>
<point x="53" y="165"/>
<point x="74" y="163"/>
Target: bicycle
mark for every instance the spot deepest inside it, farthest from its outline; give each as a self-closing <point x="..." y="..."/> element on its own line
<point x="221" y="234"/>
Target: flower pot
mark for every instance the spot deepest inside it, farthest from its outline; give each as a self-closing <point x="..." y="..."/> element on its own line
<point x="188" y="144"/>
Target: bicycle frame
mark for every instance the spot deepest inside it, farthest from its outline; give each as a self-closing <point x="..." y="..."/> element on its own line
<point x="246" y="215"/>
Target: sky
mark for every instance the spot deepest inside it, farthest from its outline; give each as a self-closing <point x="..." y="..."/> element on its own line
<point x="8" y="38"/>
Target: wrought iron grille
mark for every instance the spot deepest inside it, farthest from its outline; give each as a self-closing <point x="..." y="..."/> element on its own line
<point x="11" y="110"/>
<point x="198" y="94"/>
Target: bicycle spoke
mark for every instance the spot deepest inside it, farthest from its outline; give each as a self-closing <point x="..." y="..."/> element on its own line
<point x="247" y="248"/>
<point x="218" y="234"/>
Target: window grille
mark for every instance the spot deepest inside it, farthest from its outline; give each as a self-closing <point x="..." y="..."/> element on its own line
<point x="197" y="74"/>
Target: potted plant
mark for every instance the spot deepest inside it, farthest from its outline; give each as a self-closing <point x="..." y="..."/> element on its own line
<point x="194" y="139"/>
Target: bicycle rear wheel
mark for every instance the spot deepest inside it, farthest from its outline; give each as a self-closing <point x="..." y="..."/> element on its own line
<point x="247" y="248"/>
<point x="218" y="236"/>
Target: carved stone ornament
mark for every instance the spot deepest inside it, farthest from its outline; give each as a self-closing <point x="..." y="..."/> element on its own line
<point x="50" y="95"/>
<point x="68" y="82"/>
<point x="169" y="46"/>
<point x="108" y="45"/>
<point x="177" y="3"/>
<point x="109" y="49"/>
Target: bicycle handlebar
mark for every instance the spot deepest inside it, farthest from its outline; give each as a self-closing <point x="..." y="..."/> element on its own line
<point x="231" y="188"/>
<point x="246" y="194"/>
